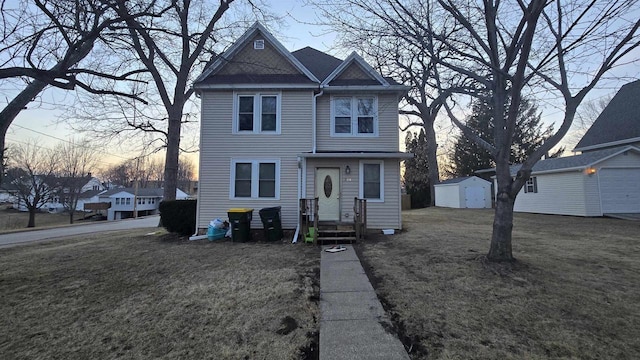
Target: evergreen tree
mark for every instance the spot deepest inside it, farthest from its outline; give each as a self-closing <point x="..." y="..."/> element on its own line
<point x="416" y="172"/>
<point x="529" y="134"/>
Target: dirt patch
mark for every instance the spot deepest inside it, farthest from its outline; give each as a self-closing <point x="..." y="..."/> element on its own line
<point x="158" y="296"/>
<point x="572" y="293"/>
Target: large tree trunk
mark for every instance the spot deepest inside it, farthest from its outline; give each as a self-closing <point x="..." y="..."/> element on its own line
<point x="173" y="152"/>
<point x="500" y="249"/>
<point x="32" y="218"/>
<point x="432" y="159"/>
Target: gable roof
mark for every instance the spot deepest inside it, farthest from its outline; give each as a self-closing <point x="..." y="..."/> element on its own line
<point x="156" y="192"/>
<point x="619" y="122"/>
<point x="89" y="194"/>
<point x="458" y="180"/>
<point x="576" y="162"/>
<point x="240" y="44"/>
<point x="355" y="59"/>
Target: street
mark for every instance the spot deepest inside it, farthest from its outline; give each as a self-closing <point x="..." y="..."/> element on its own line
<point x="12" y="239"/>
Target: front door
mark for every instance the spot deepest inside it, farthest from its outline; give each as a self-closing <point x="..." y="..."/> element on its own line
<point x="328" y="193"/>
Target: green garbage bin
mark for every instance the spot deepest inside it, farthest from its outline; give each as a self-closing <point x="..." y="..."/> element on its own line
<point x="240" y="221"/>
<point x="271" y="223"/>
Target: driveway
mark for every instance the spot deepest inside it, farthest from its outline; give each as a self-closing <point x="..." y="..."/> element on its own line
<point x="12" y="239"/>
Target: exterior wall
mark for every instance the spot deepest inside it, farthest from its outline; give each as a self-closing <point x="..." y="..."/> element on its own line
<point x="558" y="193"/>
<point x="218" y="146"/>
<point x="380" y="215"/>
<point x="387" y="139"/>
<point x="253" y="61"/>
<point x="448" y="196"/>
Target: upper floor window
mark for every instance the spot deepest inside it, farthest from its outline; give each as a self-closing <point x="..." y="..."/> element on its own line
<point x="354" y="116"/>
<point x="255" y="179"/>
<point x="256" y="113"/>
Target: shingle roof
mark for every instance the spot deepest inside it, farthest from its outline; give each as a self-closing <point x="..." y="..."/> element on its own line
<point x="319" y="63"/>
<point x="571" y="162"/>
<point x="89" y="194"/>
<point x="618" y="123"/>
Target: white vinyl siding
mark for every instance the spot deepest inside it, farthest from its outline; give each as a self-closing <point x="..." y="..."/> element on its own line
<point x="257" y="113"/>
<point x="218" y="145"/>
<point x="558" y="193"/>
<point x="454" y="195"/>
<point x="386" y="129"/>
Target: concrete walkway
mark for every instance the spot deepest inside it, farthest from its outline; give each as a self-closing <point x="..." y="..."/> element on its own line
<point x="350" y="313"/>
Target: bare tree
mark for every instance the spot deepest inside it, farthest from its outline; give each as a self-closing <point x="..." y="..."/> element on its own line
<point x="392" y="35"/>
<point x="44" y="44"/>
<point x="32" y="172"/>
<point x="586" y="115"/>
<point x="511" y="48"/>
<point x="170" y="48"/>
<point x="77" y="159"/>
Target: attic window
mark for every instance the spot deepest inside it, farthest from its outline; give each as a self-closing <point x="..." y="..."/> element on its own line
<point x="258" y="44"/>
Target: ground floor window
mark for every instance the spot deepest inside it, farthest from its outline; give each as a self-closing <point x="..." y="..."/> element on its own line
<point x="531" y="186"/>
<point x="255" y="179"/>
<point x="372" y="180"/>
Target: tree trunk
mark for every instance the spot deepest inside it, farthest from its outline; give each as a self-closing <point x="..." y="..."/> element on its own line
<point x="173" y="152"/>
<point x="432" y="159"/>
<point x="32" y="218"/>
<point x="71" y="217"/>
<point x="500" y="249"/>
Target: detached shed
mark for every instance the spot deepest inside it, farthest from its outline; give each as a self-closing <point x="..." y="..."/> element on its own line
<point x="465" y="192"/>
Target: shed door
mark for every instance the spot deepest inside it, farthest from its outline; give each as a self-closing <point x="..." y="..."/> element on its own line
<point x="474" y="197"/>
<point x="620" y="190"/>
<point x="328" y="193"/>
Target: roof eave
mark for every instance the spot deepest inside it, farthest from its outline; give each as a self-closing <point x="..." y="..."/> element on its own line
<point x="609" y="144"/>
<point x="357" y="155"/>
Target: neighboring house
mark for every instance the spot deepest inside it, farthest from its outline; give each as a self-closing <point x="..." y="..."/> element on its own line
<point x="8" y="193"/>
<point x="465" y="192"/>
<point x="279" y="126"/>
<point x="88" y="197"/>
<point x="604" y="179"/>
<point x="127" y="200"/>
<point x="57" y="202"/>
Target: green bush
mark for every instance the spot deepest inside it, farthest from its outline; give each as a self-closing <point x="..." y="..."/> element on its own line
<point x="179" y="216"/>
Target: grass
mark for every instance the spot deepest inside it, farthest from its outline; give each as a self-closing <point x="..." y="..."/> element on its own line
<point x="572" y="294"/>
<point x="11" y="219"/>
<point x="136" y="296"/>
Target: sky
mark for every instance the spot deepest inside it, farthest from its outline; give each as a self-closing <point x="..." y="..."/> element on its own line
<point x="42" y="120"/>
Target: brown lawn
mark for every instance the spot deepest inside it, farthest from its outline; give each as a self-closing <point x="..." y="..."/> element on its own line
<point x="11" y="219"/>
<point x="137" y="296"/>
<point x="573" y="294"/>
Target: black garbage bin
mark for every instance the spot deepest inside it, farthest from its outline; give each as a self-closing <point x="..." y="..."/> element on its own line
<point x="271" y="223"/>
<point x="240" y="221"/>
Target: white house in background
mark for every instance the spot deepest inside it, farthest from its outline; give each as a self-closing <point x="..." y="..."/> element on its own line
<point x="604" y="179"/>
<point x="123" y="201"/>
<point x="280" y="126"/>
<point x="465" y="192"/>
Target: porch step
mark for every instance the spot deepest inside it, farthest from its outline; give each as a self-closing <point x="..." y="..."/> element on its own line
<point x="336" y="240"/>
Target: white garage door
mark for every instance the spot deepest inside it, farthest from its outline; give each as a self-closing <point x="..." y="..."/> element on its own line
<point x="620" y="190"/>
<point x="474" y="197"/>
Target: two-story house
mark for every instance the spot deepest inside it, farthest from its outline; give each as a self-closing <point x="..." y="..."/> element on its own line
<point x="279" y="126"/>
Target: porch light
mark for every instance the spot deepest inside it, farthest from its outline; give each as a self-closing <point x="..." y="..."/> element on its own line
<point x="347" y="170"/>
<point x="590" y="171"/>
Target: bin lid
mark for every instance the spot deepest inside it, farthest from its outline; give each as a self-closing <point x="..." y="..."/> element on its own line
<point x="240" y="210"/>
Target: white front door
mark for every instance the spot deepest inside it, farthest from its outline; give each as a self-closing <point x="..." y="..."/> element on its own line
<point x="328" y="193"/>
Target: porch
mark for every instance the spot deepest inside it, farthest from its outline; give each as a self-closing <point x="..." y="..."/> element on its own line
<point x="318" y="231"/>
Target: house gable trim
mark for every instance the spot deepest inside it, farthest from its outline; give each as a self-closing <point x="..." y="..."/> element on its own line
<point x="360" y="61"/>
<point x="609" y="144"/>
<point x="242" y="41"/>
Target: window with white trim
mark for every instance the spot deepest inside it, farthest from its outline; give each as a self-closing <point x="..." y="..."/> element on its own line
<point x="354" y="116"/>
<point x="531" y="186"/>
<point x="255" y="179"/>
<point x="256" y="113"/>
<point x="372" y="180"/>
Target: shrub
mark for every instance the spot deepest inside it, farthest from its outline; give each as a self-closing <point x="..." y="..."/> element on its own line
<point x="178" y="216"/>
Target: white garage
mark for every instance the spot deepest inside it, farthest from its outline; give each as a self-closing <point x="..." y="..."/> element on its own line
<point x="594" y="183"/>
<point x="469" y="192"/>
